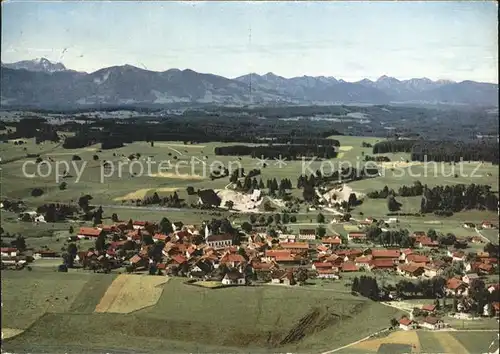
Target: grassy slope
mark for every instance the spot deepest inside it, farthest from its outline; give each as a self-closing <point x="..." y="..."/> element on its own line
<point x="27" y="296"/>
<point x="192" y="319"/>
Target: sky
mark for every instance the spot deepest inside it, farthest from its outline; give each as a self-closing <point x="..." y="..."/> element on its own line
<point x="348" y="40"/>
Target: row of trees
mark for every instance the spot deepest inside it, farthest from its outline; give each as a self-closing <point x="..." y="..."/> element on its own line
<point x="404" y="191"/>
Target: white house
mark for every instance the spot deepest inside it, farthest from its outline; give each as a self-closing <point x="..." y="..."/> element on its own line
<point x="432" y="323"/>
<point x="219" y="241"/>
<point x="327" y="274"/>
<point x="256" y="195"/>
<point x="233" y="278"/>
<point x="307" y="234"/>
<point x="139" y="225"/>
<point x="286" y="238"/>
<point x="487" y="225"/>
<point x="406" y="324"/>
<point x="9" y="252"/>
<point x="458" y="256"/>
<point x="468" y="278"/>
<point x="392" y="221"/>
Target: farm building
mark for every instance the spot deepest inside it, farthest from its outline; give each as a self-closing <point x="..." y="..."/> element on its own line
<point x="233" y="278"/>
<point x="432" y="323"/>
<point x="456" y="287"/>
<point x="406" y="324"/>
<point x="356" y="236"/>
<point x="349" y="267"/>
<point x="430" y="308"/>
<point x="331" y="241"/>
<point x="283" y="277"/>
<point x="417" y="258"/>
<point x="89" y="232"/>
<point x="137" y="224"/>
<point x="297" y="246"/>
<point x="411" y="270"/>
<point x="9" y="252"/>
<point x="307" y="234"/>
<point x="327" y="274"/>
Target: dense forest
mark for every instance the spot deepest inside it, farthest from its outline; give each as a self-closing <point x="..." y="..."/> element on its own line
<point x="442" y="151"/>
<point x="445" y="200"/>
<point x="290" y="152"/>
<point x="455" y="151"/>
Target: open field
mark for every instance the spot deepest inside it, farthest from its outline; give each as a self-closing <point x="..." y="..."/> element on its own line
<point x="270" y="317"/>
<point x="129" y="293"/>
<point x="27" y="296"/>
<point x="423" y="341"/>
<point x="407" y="338"/>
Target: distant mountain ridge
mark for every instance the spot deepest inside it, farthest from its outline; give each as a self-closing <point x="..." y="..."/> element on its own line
<point x="40" y="82"/>
<point x="38" y="64"/>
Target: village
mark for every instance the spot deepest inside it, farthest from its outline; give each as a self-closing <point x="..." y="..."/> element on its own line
<point x="216" y="254"/>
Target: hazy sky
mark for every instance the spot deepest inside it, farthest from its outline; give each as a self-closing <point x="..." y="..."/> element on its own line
<point x="349" y="40"/>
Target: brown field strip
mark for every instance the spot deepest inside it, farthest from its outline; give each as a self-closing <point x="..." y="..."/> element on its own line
<point x="400" y="337"/>
<point x="129" y="293"/>
<point x="11" y="332"/>
<point x="449" y="343"/>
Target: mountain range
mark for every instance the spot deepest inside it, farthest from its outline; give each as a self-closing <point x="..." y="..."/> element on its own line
<point x="42" y="83"/>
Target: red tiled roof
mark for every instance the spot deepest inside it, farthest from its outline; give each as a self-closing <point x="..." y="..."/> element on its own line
<point x="382" y="263"/>
<point x="237" y="258"/>
<point x="136" y="258"/>
<point x="276" y="253"/>
<point x="109" y="228"/>
<point x="427" y="241"/>
<point x="454" y="283"/>
<point x="9" y="249"/>
<point x="417" y="258"/>
<point x="323" y="265"/>
<point x="332" y="240"/>
<point x="326" y="271"/>
<point x="295" y="245"/>
<point x="411" y="267"/>
<point x="431" y="320"/>
<point x="322" y="248"/>
<point x="179" y="259"/>
<point x="485" y="267"/>
<point x="139" y="223"/>
<point x="357" y="234"/>
<point x="407" y="251"/>
<point x="385" y="253"/>
<point x="262" y="266"/>
<point x="363" y="259"/>
<point x="405" y="321"/>
<point x="161" y="266"/>
<point x="161" y="237"/>
<point x="89" y="231"/>
<point x="349" y="267"/>
<point x="429" y="308"/>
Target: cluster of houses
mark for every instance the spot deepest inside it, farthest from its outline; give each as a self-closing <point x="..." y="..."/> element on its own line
<point x="197" y="253"/>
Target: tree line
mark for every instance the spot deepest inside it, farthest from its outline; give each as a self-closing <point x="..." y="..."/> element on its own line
<point x="289" y="152"/>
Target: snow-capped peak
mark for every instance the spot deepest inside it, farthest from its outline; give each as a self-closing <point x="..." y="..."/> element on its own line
<point x="38" y="64"/>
